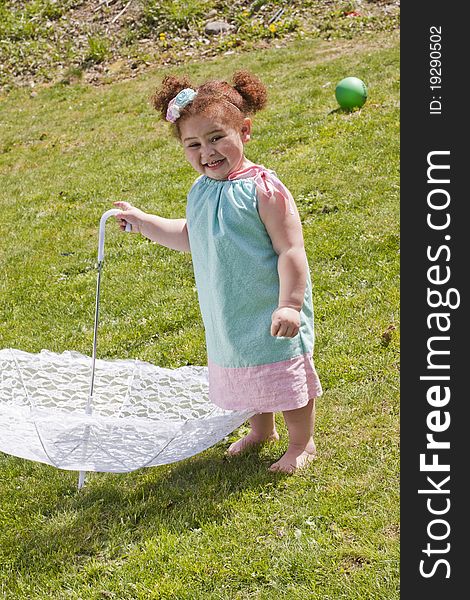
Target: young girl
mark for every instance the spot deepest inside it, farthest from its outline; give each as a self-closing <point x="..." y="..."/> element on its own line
<point x="245" y="236"/>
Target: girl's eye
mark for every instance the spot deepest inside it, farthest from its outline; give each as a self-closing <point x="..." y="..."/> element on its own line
<point x="215" y="138"/>
<point x="195" y="145"/>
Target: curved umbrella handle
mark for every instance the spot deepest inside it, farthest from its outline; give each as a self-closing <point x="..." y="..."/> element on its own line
<point x="104" y="218"/>
<point x="88" y="410"/>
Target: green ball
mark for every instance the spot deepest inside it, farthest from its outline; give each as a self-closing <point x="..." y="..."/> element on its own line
<point x="351" y="93"/>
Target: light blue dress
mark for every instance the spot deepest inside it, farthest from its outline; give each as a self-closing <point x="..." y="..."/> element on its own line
<point x="235" y="267"/>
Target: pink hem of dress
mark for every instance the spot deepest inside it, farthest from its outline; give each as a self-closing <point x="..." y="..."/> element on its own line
<point x="274" y="387"/>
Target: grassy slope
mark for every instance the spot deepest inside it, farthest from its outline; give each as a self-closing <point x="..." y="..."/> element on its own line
<point x="207" y="528"/>
<point x="65" y="40"/>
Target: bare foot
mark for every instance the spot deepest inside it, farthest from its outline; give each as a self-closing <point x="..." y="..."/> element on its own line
<point x="295" y="458"/>
<point x="252" y="439"/>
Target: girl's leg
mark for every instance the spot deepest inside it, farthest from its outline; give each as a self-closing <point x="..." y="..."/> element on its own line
<point x="263" y="429"/>
<point x="301" y="450"/>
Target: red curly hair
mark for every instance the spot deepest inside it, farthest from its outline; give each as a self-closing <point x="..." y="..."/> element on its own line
<point x="219" y="99"/>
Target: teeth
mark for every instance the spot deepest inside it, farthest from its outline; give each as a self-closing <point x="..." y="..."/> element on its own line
<point x="211" y="164"/>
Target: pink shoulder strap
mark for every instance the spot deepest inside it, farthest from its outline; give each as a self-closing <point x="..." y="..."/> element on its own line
<point x="266" y="183"/>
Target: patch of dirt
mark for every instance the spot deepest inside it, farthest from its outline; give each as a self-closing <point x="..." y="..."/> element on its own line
<point x="101" y="41"/>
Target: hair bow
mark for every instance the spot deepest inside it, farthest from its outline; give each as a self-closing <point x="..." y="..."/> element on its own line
<point x="181" y="100"/>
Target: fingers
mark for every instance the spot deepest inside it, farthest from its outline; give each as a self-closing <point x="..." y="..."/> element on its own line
<point x="121" y="221"/>
<point x="275" y="327"/>
<point x="121" y="217"/>
<point x="288" y="332"/>
<point x="291" y="332"/>
<point x="123" y="205"/>
<point x="282" y="329"/>
<point x="285" y="322"/>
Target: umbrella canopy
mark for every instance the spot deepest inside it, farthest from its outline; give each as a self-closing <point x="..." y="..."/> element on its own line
<point x="141" y="415"/>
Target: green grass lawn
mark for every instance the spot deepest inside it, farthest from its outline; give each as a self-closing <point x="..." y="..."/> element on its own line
<point x="208" y="527"/>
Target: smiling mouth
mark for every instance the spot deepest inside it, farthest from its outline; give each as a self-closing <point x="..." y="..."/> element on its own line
<point x="214" y="164"/>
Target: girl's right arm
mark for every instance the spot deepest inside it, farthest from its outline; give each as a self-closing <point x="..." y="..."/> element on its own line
<point x="172" y="233"/>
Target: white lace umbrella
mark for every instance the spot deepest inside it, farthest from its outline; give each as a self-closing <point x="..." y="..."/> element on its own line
<point x="84" y="414"/>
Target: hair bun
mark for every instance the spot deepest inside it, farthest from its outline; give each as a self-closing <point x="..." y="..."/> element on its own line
<point x="251" y="89"/>
<point x="170" y="86"/>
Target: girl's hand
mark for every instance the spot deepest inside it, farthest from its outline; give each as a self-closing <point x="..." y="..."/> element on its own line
<point x="130" y="214"/>
<point x="285" y="322"/>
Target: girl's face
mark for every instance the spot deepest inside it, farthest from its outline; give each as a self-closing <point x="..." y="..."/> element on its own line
<point x="213" y="147"/>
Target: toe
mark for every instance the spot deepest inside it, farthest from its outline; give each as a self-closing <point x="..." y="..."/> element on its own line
<point x="289" y="469"/>
<point x="233" y="449"/>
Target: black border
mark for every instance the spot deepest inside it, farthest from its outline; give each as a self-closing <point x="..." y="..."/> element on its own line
<point x="421" y="133"/>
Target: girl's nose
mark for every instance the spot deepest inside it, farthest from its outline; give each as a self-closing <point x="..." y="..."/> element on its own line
<point x="207" y="152"/>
